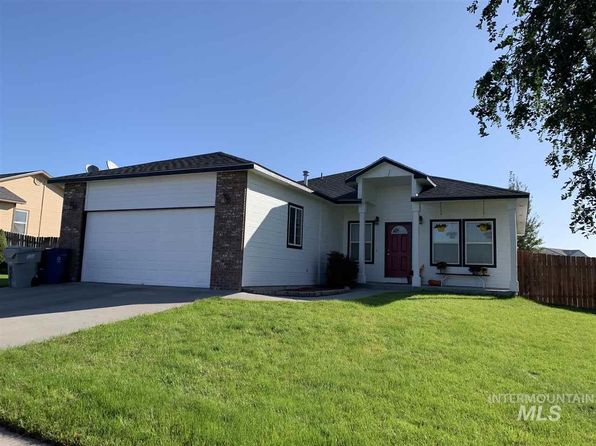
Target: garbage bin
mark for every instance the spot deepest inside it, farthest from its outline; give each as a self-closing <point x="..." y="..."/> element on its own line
<point x="22" y="265"/>
<point x="53" y="265"/>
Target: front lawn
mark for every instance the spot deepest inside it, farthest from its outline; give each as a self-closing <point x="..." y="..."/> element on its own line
<point x="3" y="280"/>
<point x="387" y="370"/>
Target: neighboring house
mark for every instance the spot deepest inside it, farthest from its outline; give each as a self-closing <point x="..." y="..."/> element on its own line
<point x="30" y="206"/>
<point x="563" y="252"/>
<point x="216" y="220"/>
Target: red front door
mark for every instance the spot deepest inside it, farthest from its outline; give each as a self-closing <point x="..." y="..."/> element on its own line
<point x="398" y="249"/>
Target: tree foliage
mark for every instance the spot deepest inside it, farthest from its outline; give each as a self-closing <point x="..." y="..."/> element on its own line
<point x="3" y="244"/>
<point x="531" y="240"/>
<point x="544" y="81"/>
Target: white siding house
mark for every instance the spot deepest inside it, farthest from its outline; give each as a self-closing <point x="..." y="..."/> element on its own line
<point x="267" y="258"/>
<point x="222" y="221"/>
<point x="191" y="190"/>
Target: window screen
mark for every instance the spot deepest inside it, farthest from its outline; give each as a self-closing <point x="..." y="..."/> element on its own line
<point x="480" y="242"/>
<point x="445" y="241"/>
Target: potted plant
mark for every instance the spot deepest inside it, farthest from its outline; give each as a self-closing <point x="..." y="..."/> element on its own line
<point x="440" y="227"/>
<point x="478" y="270"/>
<point x="442" y="267"/>
<point x="484" y="227"/>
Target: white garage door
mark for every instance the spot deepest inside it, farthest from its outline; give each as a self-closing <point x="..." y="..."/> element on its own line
<point x="151" y="247"/>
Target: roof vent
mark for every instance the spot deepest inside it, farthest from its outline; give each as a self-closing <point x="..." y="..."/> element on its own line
<point x="305" y="173"/>
<point x="91" y="168"/>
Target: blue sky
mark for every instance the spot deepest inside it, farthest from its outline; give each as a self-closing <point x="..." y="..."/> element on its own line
<point x="319" y="86"/>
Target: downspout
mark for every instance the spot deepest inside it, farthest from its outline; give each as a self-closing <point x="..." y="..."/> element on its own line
<point x="319" y="266"/>
<point x="43" y="196"/>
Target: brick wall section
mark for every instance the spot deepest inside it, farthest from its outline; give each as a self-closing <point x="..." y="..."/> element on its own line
<point x="228" y="230"/>
<point x="72" y="230"/>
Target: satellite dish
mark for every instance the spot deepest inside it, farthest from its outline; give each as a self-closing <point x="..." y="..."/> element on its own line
<point x="91" y="168"/>
<point x="111" y="164"/>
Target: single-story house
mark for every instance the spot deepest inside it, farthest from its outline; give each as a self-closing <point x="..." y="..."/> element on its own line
<point x="29" y="205"/>
<point x="563" y="252"/>
<point x="216" y="220"/>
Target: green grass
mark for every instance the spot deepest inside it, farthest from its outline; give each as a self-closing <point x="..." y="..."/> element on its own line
<point x="3" y="280"/>
<point x="387" y="370"/>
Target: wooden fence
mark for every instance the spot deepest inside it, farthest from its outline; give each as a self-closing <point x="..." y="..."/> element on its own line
<point x="15" y="239"/>
<point x="557" y="280"/>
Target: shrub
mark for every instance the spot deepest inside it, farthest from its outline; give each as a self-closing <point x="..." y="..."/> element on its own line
<point x="3" y="244"/>
<point x="341" y="270"/>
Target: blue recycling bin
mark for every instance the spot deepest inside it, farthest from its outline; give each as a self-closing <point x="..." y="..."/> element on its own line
<point x="53" y="269"/>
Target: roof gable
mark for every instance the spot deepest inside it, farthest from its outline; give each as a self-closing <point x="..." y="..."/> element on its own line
<point x="384" y="159"/>
<point x="339" y="188"/>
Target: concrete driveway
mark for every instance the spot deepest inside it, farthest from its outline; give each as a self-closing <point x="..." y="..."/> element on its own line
<point x="34" y="314"/>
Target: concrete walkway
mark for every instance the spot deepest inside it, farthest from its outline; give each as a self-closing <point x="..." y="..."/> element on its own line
<point x="357" y="293"/>
<point x="35" y="314"/>
<point x="8" y="438"/>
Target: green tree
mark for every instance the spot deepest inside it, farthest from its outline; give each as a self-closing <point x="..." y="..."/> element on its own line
<point x="531" y="240"/>
<point x="3" y="244"/>
<point x="544" y="80"/>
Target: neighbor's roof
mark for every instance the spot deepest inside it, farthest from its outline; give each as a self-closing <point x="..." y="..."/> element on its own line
<point x="449" y="189"/>
<point x="563" y="252"/>
<point x="209" y="162"/>
<point x="15" y="175"/>
<point x="6" y="175"/>
<point x="6" y="195"/>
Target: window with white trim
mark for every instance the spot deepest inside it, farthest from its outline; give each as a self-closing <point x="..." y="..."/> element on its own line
<point x="354" y="238"/>
<point x="479" y="245"/>
<point x="19" y="221"/>
<point x="295" y="225"/>
<point x="445" y="242"/>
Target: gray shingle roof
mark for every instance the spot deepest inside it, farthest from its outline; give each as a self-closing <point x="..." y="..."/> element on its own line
<point x="338" y="187"/>
<point x="334" y="187"/>
<point x="6" y="195"/>
<point x="449" y="189"/>
<point x="563" y="252"/>
<point x="209" y="162"/>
